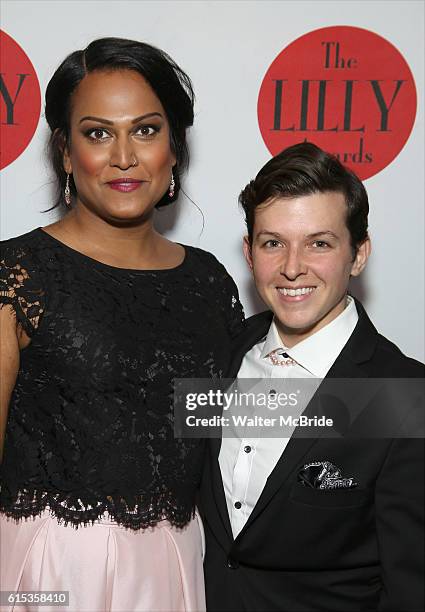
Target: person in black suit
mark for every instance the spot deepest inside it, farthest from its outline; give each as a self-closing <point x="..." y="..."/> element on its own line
<point x="301" y="523"/>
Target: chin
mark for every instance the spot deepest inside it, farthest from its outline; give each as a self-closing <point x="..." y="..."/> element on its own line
<point x="297" y="321"/>
<point x="129" y="214"/>
<point x="297" y="330"/>
<point x="297" y="326"/>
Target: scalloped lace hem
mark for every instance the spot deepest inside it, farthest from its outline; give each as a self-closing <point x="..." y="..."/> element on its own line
<point x="135" y="517"/>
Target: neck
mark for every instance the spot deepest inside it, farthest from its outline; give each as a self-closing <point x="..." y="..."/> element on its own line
<point x="91" y="224"/>
<point x="122" y="244"/>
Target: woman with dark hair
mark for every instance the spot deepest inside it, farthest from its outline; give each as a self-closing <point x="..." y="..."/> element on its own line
<point x="99" y="314"/>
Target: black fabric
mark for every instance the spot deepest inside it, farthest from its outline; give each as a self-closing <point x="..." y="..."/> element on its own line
<point x="90" y="425"/>
<point x="302" y="549"/>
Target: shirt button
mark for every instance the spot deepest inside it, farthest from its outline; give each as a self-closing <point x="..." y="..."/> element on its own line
<point x="232" y="563"/>
<point x="238" y="505"/>
<point x="247" y="449"/>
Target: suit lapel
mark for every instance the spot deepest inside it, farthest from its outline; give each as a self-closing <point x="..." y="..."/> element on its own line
<point x="290" y="458"/>
<point x="350" y="364"/>
<point x="256" y="328"/>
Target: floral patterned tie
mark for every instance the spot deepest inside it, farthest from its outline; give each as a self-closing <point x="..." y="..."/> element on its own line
<point x="278" y="357"/>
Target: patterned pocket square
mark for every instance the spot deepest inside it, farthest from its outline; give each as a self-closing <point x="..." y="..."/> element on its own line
<point x="324" y="475"/>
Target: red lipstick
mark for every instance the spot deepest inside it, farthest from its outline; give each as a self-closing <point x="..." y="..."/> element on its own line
<point x="125" y="184"/>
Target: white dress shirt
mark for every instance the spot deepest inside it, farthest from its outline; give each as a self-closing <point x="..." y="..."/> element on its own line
<point x="246" y="463"/>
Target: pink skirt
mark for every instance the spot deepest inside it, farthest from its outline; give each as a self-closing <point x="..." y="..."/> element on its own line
<point x="104" y="566"/>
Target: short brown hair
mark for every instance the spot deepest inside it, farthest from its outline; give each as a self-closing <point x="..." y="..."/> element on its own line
<point x="304" y="169"/>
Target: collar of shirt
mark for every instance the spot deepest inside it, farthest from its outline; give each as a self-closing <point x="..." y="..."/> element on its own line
<point x="318" y="352"/>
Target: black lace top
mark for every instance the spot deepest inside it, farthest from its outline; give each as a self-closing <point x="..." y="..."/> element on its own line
<point x="90" y="425"/>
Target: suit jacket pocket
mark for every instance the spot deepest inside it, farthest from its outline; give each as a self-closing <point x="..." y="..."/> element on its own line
<point x="330" y="498"/>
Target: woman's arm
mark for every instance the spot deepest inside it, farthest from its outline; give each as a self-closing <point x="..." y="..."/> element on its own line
<point x="9" y="364"/>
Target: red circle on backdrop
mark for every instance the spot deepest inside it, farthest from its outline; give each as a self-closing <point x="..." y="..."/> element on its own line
<point x="346" y="89"/>
<point x="20" y="100"/>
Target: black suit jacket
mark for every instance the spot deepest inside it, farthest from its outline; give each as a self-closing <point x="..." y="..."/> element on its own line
<point x="305" y="549"/>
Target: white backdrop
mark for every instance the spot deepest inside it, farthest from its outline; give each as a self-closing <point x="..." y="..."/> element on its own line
<point x="226" y="48"/>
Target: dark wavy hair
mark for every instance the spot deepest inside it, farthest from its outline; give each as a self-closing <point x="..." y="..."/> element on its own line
<point x="304" y="169"/>
<point x="171" y="85"/>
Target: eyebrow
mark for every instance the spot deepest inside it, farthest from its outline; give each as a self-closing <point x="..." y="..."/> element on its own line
<point x="107" y="122"/>
<point x="269" y="233"/>
<point x="324" y="233"/>
<point x="315" y="235"/>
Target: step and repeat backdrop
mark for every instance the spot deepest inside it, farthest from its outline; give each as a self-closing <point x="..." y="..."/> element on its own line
<point x="347" y="75"/>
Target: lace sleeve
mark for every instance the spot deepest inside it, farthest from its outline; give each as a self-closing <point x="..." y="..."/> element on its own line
<point x="19" y="288"/>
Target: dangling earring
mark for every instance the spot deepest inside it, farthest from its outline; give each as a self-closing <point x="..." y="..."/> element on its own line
<point x="67" y="192"/>
<point x="172" y="186"/>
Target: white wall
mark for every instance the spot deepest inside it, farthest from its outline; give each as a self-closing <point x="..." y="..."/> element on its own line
<point x="226" y="48"/>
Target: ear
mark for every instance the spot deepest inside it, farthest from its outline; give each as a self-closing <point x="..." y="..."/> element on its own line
<point x="361" y="258"/>
<point x="67" y="166"/>
<point x="173" y="156"/>
<point x="63" y="146"/>
<point x="247" y="251"/>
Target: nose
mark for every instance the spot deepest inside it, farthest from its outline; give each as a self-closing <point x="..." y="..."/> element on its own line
<point x="122" y="154"/>
<point x="292" y="264"/>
